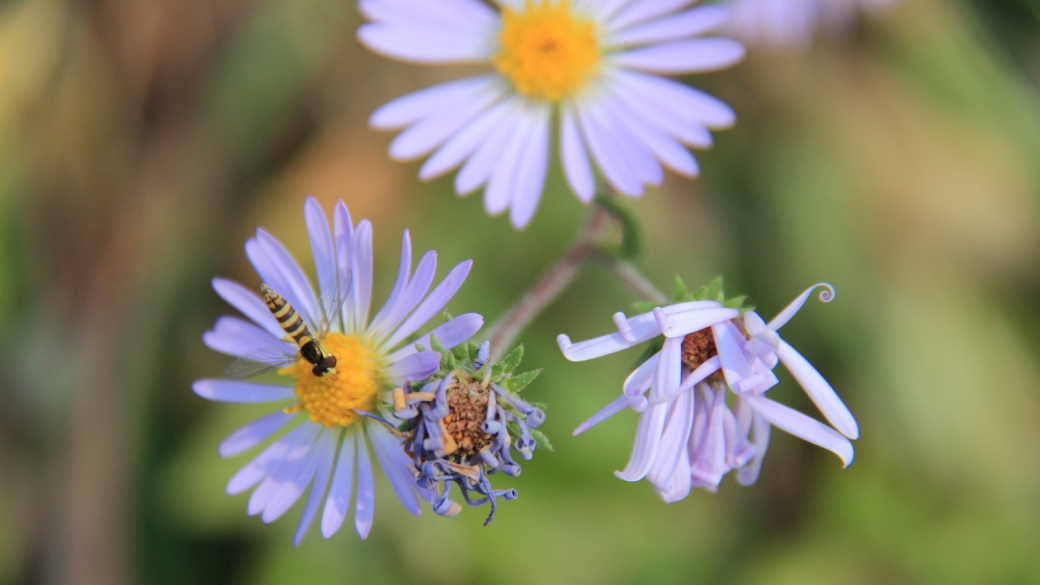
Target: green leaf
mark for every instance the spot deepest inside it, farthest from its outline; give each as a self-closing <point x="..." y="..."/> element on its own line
<point x="735" y="302"/>
<point x="447" y="359"/>
<point x="540" y="439"/>
<point x="644" y="306"/>
<point x="715" y="290"/>
<point x="511" y="361"/>
<point x="700" y="294"/>
<point x="461" y="353"/>
<point x="681" y="290"/>
<point x="518" y="383"/>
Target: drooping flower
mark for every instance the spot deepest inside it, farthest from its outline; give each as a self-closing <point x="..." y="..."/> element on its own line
<point x="595" y="66"/>
<point x="687" y="434"/>
<point x="463" y="424"/>
<point x="329" y="437"/>
<point x="793" y="23"/>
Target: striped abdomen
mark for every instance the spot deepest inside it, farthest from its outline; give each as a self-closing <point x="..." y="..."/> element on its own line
<point x="287" y="317"/>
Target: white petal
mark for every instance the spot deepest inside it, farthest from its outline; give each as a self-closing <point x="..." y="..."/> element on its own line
<point x="664" y="148"/>
<point x="576" y="165"/>
<point x="643" y="10"/>
<point x="683" y="323"/>
<point x="462" y="145"/>
<point x="427" y="134"/>
<point x="677" y="26"/>
<point x="411" y="108"/>
<point x="748" y="474"/>
<point x="646" y="110"/>
<point x="803" y="427"/>
<point x="532" y="170"/>
<point x="678" y="100"/>
<point x="593" y="348"/>
<point x="478" y="168"/>
<point x="241" y="392"/>
<point x="448" y="15"/>
<point x="826" y="296"/>
<point x="648" y="438"/>
<point x="709" y="461"/>
<point x="610" y="162"/>
<point x="421" y="44"/>
<point x="673" y="441"/>
<point x="709" y="367"/>
<point x="669" y="372"/>
<point x="499" y="192"/>
<point x="680" y="57"/>
<point x="639" y="381"/>
<point x="819" y="391"/>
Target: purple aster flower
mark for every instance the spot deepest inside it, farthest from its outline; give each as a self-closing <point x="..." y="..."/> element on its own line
<point x="793" y="23"/>
<point x="463" y="425"/>
<point x="326" y="440"/>
<point x="595" y="66"/>
<point x="687" y="434"/>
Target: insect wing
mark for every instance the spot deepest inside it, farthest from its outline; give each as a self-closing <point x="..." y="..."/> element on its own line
<point x="333" y="295"/>
<point x="259" y="362"/>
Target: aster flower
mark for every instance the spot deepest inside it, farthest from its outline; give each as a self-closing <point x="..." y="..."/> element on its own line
<point x="688" y="436"/>
<point x="328" y="438"/>
<point x="792" y="23"/>
<point x="463" y="424"/>
<point x="596" y="66"/>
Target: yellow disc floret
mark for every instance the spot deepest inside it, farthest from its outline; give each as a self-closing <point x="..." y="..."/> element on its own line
<point x="355" y="383"/>
<point x="546" y="50"/>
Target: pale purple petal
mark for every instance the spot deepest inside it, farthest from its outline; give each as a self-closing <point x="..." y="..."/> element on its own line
<point x="301" y="293"/>
<point x="297" y="484"/>
<point x="450" y="334"/>
<point x="327" y="454"/>
<point x="427" y="134"/>
<point x="240" y="392"/>
<point x="645" y="326"/>
<point x="413" y="107"/>
<point x="738" y="450"/>
<point x="234" y="336"/>
<point x="254" y="433"/>
<point x="648" y="438"/>
<point x="678" y="486"/>
<point x="646" y="112"/>
<point x="627" y="145"/>
<point x="593" y="348"/>
<point x="249" y="303"/>
<point x="366" y="493"/>
<point x="748" y="474"/>
<point x="669" y="372"/>
<point x="460" y="16"/>
<point x="482" y="163"/>
<point x="826" y="295"/>
<point x="639" y="381"/>
<point x="404" y="268"/>
<point x="658" y="142"/>
<point x="674" y="439"/>
<point x="681" y="57"/>
<point x="361" y="265"/>
<point x="682" y="323"/>
<point x="321" y="247"/>
<point x="677" y="26"/>
<point x="424" y="44"/>
<point x="617" y="405"/>
<point x="803" y="427"/>
<point x="394" y="462"/>
<point x="417" y="366"/>
<point x="819" y="391"/>
<point x="433" y="303"/>
<point x="502" y="182"/>
<point x="576" y="165"/>
<point x="271" y="457"/>
<point x="343" y="236"/>
<point x="534" y="164"/>
<point x="288" y="470"/>
<point x="611" y="163"/>
<point x="709" y="460"/>
<point x="412" y="295"/>
<point x="678" y="100"/>
<point x="338" y="500"/>
<point x="462" y="145"/>
<point x="643" y="10"/>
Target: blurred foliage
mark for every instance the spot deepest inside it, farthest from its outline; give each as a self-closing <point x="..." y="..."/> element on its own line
<point x="141" y="142"/>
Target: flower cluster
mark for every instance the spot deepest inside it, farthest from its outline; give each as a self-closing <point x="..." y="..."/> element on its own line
<point x="462" y="425"/>
<point x="688" y="436"/>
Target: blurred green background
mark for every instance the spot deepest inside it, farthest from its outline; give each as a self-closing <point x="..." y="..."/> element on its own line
<point x="141" y="141"/>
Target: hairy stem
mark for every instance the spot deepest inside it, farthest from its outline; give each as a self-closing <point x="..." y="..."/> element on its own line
<point x="503" y="333"/>
<point x="630" y="276"/>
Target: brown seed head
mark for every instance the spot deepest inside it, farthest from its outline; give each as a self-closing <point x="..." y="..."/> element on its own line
<point x="697" y="348"/>
<point x="467" y="409"/>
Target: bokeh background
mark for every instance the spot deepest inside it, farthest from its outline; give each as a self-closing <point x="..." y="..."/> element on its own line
<point x="141" y="142"/>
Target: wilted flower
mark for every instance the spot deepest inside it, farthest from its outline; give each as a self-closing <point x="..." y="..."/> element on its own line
<point x="792" y="23"/>
<point x="687" y="435"/>
<point x="329" y="444"/>
<point x="464" y="423"/>
<point x="595" y="65"/>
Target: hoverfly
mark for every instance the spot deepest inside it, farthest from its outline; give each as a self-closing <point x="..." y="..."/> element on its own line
<point x="308" y="345"/>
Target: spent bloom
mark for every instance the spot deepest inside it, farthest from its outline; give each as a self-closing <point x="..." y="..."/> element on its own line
<point x="591" y="70"/>
<point x="793" y="23"/>
<point x="463" y="424"/>
<point x="331" y="419"/>
<point x="688" y="436"/>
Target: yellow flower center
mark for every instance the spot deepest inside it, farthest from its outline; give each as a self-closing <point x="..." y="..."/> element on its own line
<point x="547" y="51"/>
<point x="330" y="399"/>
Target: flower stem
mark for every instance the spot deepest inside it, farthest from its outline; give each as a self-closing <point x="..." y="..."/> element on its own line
<point x="503" y="333"/>
<point x="630" y="276"/>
